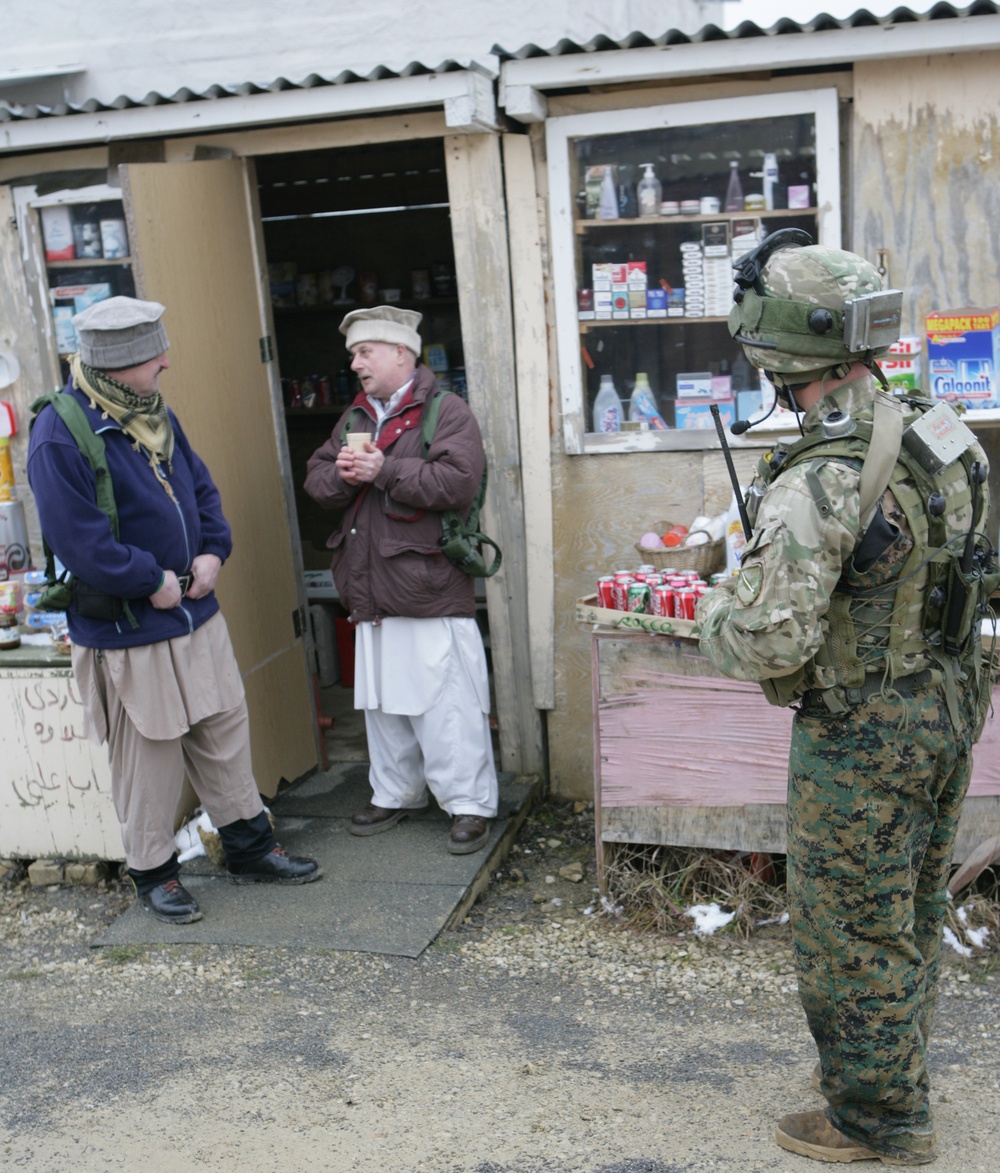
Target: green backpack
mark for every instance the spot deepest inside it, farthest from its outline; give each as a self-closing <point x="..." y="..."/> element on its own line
<point x="63" y="589"/>
<point x="461" y="541"/>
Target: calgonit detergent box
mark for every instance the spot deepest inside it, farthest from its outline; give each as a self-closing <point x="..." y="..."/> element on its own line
<point x="963" y="356"/>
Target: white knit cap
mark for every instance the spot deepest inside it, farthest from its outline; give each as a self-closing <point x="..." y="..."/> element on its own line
<point x="383" y="323"/>
<point x="120" y="332"/>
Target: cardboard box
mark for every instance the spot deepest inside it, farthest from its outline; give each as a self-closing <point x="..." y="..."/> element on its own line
<point x="699" y="415"/>
<point x="902" y="374"/>
<point x="656" y="303"/>
<point x="963" y="353"/>
<point x="722" y="388"/>
<point x="694" y="385"/>
<point x="636" y="276"/>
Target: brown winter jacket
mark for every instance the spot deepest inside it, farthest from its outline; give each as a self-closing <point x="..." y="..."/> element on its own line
<point x="386" y="559"/>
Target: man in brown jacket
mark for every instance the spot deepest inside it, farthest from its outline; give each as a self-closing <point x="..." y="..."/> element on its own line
<point x="420" y="667"/>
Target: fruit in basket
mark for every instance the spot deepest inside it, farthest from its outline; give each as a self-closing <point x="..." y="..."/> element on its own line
<point x="675" y="535"/>
<point x="652" y="540"/>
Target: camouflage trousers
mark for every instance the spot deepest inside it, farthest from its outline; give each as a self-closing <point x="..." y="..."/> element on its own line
<point x="873" y="804"/>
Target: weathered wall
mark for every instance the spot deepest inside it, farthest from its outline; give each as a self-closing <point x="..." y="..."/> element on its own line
<point x="926" y="178"/>
<point x="602" y="504"/>
<point x="18" y="335"/>
<point x="926" y="186"/>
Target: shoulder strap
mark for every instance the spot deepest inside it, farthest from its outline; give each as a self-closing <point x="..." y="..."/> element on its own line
<point x="89" y="443"/>
<point x="429" y="419"/>
<point x="883" y="453"/>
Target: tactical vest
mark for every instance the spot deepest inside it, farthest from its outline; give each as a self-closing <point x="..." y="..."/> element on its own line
<point x="905" y="624"/>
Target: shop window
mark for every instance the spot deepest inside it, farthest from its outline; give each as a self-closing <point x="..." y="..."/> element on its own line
<point x="650" y="208"/>
<point x="86" y="257"/>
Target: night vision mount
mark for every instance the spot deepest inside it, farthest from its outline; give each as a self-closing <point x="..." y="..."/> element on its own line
<point x="867" y="323"/>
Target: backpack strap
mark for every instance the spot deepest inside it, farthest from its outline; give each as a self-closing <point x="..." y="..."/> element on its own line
<point x="92" y="447"/>
<point x="461" y="540"/>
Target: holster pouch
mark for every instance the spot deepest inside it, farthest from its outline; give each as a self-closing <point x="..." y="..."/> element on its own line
<point x="94" y="604"/>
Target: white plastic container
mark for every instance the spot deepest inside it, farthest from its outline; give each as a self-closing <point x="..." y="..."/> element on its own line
<point x="649" y="192"/>
<point x="608" y="411"/>
<point x="607" y="207"/>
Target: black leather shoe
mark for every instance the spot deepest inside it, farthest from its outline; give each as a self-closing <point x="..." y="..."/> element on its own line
<point x="171" y="902"/>
<point x="277" y="867"/>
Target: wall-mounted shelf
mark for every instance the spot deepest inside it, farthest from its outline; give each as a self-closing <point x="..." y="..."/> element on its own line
<point x="89" y="263"/>
<point x="666" y="221"/>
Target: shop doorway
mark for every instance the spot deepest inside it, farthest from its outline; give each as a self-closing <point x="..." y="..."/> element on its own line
<point x="341" y="229"/>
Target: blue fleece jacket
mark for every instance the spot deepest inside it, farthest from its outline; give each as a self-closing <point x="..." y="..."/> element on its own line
<point x="155" y="533"/>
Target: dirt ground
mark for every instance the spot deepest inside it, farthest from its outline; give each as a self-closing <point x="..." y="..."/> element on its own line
<point x="540" y="1036"/>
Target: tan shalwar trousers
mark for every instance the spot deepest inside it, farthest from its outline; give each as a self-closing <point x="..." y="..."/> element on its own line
<point x="168" y="709"/>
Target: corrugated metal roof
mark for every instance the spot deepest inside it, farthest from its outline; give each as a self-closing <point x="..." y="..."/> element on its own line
<point x="10" y="112"/>
<point x="747" y="29"/>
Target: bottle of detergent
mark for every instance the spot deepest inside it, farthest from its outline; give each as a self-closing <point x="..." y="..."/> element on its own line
<point x="642" y="406"/>
<point x="608" y="413"/>
<point x="649" y="192"/>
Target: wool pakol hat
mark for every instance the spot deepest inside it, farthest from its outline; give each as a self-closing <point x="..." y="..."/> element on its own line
<point x="120" y="332"/>
<point x="383" y="323"/>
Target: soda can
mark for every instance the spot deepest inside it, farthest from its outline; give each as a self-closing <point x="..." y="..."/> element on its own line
<point x="701" y="590"/>
<point x="653" y="580"/>
<point x="667" y="571"/>
<point x="619" y="592"/>
<point x="624" y="574"/>
<point x="662" y="600"/>
<point x="605" y="594"/>
<point x="684" y="603"/>
<point x="647" y="568"/>
<point x="641" y="575"/>
<point x="637" y="599"/>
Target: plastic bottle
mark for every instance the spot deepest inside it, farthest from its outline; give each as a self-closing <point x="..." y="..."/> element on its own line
<point x="734" y="190"/>
<point x="628" y="207"/>
<point x="608" y="412"/>
<point x="607" y="207"/>
<point x="642" y="405"/>
<point x="770" y="176"/>
<point x="735" y="539"/>
<point x="649" y="192"/>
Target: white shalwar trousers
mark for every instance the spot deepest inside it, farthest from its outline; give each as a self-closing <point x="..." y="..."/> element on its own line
<point x="423" y="686"/>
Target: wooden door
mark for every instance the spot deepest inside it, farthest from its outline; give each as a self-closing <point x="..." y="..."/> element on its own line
<point x="194" y="240"/>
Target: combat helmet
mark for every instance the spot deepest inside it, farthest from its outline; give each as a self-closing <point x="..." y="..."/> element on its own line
<point x="804" y="311"/>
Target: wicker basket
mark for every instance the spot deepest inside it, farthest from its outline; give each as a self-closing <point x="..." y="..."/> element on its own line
<point x="706" y="558"/>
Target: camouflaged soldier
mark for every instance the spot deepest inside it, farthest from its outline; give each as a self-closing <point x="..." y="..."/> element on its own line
<point x="859" y="600"/>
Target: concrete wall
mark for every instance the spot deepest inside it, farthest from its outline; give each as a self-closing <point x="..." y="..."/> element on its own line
<point x="148" y="46"/>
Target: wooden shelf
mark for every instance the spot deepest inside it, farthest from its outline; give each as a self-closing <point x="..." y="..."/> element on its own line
<point x="89" y="263"/>
<point x="346" y="307"/>
<point x="586" y="326"/>
<point x="583" y="226"/>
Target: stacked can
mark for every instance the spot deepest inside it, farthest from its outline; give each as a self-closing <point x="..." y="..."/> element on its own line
<point x="619" y="589"/>
<point x="637" y="599"/>
<point x="605" y="591"/>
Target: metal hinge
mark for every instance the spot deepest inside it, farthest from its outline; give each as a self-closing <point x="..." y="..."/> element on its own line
<point x="266" y="349"/>
<point x="299" y="621"/>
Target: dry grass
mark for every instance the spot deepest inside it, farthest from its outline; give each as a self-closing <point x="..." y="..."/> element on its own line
<point x="652" y="886"/>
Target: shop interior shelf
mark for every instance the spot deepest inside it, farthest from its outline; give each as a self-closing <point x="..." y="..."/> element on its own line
<point x="682" y="321"/>
<point x="345" y="307"/>
<point x="662" y="221"/>
<point x="89" y="263"/>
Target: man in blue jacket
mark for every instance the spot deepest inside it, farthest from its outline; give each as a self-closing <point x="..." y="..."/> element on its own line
<point x="151" y="651"/>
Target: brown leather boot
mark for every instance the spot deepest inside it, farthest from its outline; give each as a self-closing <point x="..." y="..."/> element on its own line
<point x="372" y="819"/>
<point x="468" y="834"/>
<point x="810" y="1134"/>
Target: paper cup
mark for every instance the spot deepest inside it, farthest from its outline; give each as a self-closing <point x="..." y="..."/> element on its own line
<point x="356" y="441"/>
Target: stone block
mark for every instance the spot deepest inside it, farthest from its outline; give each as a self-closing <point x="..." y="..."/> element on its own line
<point x="44" y="872"/>
<point x="90" y="872"/>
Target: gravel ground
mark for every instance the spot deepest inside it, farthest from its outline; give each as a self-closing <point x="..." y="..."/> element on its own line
<point x="541" y="1035"/>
